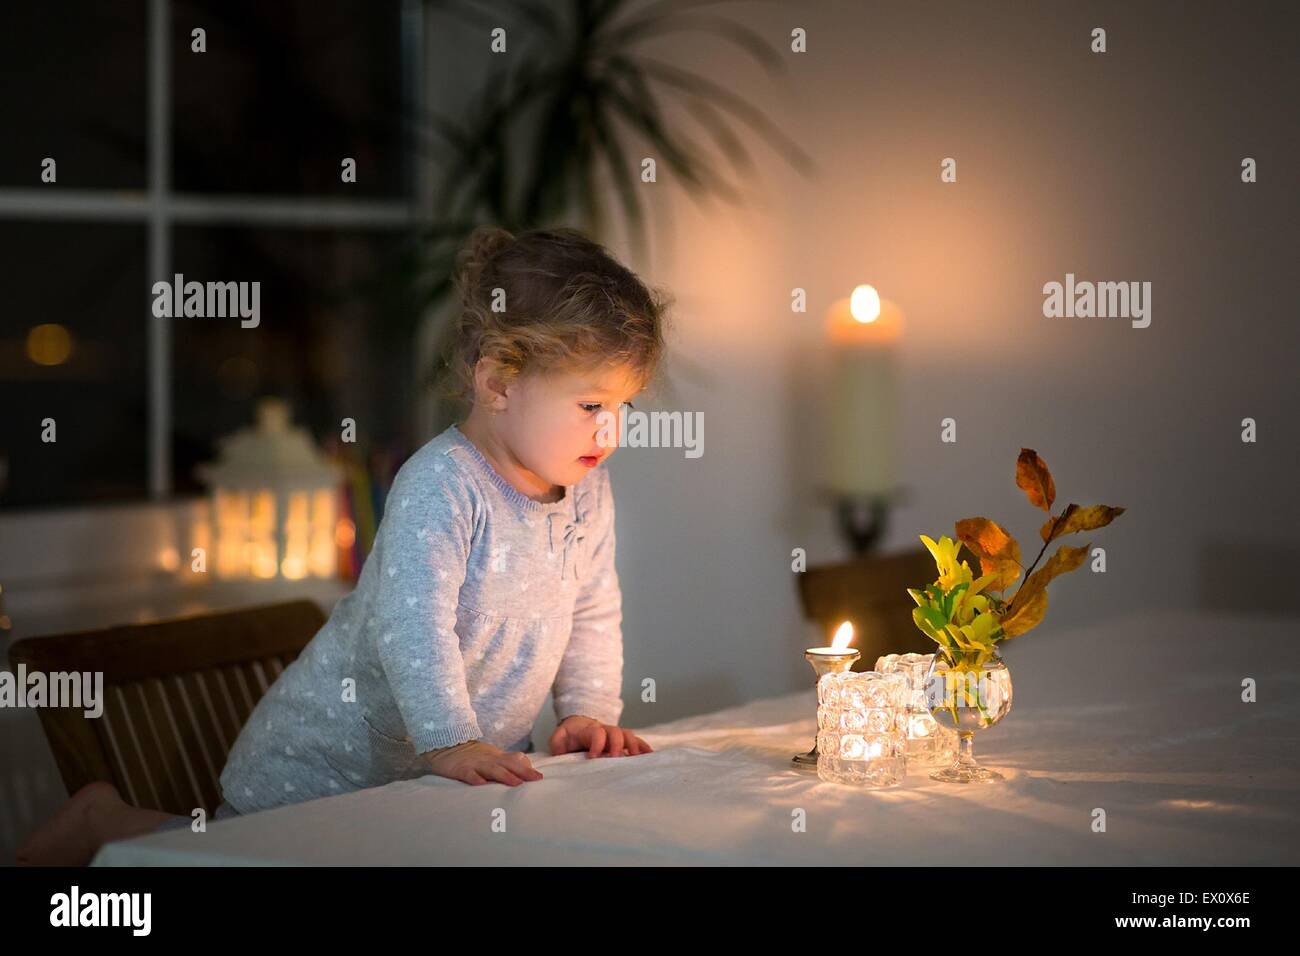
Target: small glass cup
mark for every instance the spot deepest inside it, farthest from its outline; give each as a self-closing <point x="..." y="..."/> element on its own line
<point x="928" y="743"/>
<point x="859" y="740"/>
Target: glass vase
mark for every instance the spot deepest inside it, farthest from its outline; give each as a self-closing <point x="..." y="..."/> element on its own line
<point x="968" y="691"/>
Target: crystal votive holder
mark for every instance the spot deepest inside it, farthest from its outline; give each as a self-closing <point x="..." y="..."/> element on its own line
<point x="927" y="742"/>
<point x="859" y="736"/>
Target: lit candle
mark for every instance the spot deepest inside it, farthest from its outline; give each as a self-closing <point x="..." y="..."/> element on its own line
<point x="836" y="658"/>
<point x="839" y="646"/>
<point x="863" y="331"/>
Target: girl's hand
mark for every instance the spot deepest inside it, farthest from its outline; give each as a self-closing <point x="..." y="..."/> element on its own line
<point x="476" y="762"/>
<point x="599" y="740"/>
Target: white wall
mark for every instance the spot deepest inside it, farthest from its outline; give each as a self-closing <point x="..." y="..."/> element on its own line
<point x="1115" y="167"/>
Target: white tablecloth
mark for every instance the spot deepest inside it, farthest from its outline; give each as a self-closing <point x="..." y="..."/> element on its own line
<point x="1141" y="717"/>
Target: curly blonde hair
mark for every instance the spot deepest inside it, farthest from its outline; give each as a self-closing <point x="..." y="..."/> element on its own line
<point x="568" y="305"/>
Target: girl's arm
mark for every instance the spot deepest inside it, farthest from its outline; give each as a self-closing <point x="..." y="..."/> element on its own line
<point x="590" y="677"/>
<point x="428" y="527"/>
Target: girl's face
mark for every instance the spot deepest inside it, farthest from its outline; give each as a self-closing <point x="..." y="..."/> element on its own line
<point x="552" y="425"/>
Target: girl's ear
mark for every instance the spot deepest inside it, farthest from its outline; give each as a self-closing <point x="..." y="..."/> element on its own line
<point x="489" y="384"/>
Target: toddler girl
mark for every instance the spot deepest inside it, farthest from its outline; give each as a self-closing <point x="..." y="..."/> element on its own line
<point x="491" y="580"/>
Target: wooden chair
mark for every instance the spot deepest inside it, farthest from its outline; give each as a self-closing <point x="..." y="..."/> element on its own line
<point x="871" y="591"/>
<point x="175" y="696"/>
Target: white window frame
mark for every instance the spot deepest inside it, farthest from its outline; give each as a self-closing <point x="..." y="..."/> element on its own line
<point x="163" y="209"/>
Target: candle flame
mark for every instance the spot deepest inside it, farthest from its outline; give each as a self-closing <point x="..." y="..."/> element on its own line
<point x="843" y="634"/>
<point x="864" y="304"/>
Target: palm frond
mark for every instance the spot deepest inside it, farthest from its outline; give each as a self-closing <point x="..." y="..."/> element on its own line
<point x="697" y="85"/>
<point x="750" y="41"/>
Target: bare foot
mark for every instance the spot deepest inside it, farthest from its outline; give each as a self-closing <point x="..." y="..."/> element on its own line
<point x="93" y="816"/>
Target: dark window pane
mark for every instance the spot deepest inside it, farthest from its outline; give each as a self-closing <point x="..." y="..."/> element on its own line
<point x="284" y="92"/>
<point x="73" y="347"/>
<point x="73" y="87"/>
<point x="330" y="339"/>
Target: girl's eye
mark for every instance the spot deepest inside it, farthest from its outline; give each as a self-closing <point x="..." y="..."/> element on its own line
<point x="592" y="406"/>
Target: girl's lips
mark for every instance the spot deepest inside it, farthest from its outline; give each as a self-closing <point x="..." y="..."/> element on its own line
<point x="590" y="460"/>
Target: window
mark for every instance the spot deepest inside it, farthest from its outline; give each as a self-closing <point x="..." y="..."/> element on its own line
<point x="222" y="166"/>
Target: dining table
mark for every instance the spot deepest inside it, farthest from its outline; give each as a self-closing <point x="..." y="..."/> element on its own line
<point x="1160" y="737"/>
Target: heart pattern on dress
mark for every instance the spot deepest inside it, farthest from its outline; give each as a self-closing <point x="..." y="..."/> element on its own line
<point x="499" y="555"/>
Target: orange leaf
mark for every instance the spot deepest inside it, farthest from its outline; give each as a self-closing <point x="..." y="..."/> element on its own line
<point x="999" y="553"/>
<point x="1065" y="559"/>
<point x="1026" y="616"/>
<point x="1074" y="518"/>
<point x="1035" y="480"/>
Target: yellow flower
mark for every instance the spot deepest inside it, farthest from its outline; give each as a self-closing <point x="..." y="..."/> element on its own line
<point x="969" y="605"/>
<point x="982" y="630"/>
<point x="945" y="558"/>
<point x="962" y="621"/>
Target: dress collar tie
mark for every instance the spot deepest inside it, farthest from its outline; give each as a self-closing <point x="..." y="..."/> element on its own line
<point x="573" y="533"/>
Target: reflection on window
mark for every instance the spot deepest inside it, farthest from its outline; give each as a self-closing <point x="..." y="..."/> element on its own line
<point x="72" y="363"/>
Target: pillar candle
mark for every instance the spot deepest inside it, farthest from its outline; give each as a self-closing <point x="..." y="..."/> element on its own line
<point x="863" y="396"/>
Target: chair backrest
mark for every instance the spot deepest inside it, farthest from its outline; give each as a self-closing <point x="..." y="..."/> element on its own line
<point x="175" y="695"/>
<point x="871" y="591"/>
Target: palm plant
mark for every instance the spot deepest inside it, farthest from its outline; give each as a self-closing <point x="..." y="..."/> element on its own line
<point x="562" y="111"/>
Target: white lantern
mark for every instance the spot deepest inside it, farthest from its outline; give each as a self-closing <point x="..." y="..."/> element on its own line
<point x="273" y="501"/>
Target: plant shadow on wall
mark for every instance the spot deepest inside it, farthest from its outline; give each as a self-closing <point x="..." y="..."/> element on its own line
<point x="565" y="119"/>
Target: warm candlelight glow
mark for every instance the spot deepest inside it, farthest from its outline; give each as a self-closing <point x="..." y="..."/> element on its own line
<point x="49" y="344"/>
<point x="864" y="304"/>
<point x="847" y="326"/>
<point x="275" y="501"/>
<point x="839" y="645"/>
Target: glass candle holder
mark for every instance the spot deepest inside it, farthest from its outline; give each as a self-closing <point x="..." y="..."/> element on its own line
<point x="928" y="743"/>
<point x="825" y="660"/>
<point x="859" y="735"/>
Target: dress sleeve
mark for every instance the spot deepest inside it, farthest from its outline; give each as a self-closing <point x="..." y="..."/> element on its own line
<point x="427" y="529"/>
